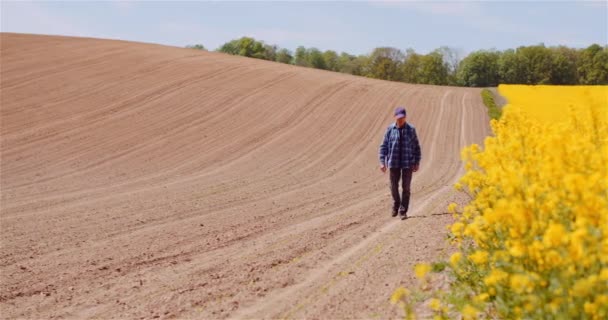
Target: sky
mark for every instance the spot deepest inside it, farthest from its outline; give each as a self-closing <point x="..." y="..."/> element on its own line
<point x="353" y="27"/>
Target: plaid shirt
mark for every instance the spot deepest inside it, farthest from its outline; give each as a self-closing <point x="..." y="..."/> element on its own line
<point x="400" y="147"/>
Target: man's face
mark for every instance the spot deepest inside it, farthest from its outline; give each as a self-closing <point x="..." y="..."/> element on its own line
<point x="400" y="121"/>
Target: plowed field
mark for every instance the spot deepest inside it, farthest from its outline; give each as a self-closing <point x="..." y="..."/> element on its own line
<point x="143" y="181"/>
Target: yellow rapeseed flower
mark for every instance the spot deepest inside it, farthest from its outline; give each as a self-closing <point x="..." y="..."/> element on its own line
<point x="469" y="312"/>
<point x="398" y="294"/>
<point x="604" y="274"/>
<point x="455" y="258"/>
<point x="536" y="229"/>
<point x="457" y="228"/>
<point x="452" y="207"/>
<point x="422" y="269"/>
<point x="482" y="297"/>
<point x="590" y="308"/>
<point x="435" y="304"/>
<point x="495" y="276"/>
<point x="479" y="257"/>
<point x="520" y="283"/>
<point x="555" y="235"/>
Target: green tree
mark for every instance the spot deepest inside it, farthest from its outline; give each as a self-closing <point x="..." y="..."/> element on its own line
<point x="538" y="63"/>
<point x="451" y="57"/>
<point x="511" y="68"/>
<point x="355" y="65"/>
<point x="563" y="65"/>
<point x="524" y="65"/>
<point x="362" y="65"/>
<point x="433" y="70"/>
<point x="246" y="47"/>
<point x="479" y="69"/>
<point x="270" y="52"/>
<point x="411" y="68"/>
<point x="197" y="47"/>
<point x="385" y="63"/>
<point x="230" y="47"/>
<point x="593" y="65"/>
<point x="254" y="49"/>
<point x="284" y="56"/>
<point x="315" y="59"/>
<point x="344" y="63"/>
<point x="301" y="58"/>
<point x="331" y="60"/>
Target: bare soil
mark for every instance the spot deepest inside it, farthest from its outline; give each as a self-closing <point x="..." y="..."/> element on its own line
<point x="145" y="181"/>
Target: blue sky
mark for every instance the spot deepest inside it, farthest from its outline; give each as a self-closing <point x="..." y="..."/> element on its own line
<point x="354" y="27"/>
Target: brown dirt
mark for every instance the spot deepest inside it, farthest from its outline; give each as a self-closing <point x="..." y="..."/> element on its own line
<point x="144" y="181"/>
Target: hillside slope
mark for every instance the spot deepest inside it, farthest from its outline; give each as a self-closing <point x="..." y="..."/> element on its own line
<point x="141" y="180"/>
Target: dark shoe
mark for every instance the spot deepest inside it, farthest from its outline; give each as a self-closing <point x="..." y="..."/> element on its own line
<point x="394" y="213"/>
<point x="403" y="213"/>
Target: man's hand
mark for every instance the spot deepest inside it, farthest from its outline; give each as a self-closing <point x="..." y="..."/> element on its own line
<point x="383" y="168"/>
<point x="416" y="167"/>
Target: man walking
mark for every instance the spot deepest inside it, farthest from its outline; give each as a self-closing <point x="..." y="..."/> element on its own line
<point x="400" y="152"/>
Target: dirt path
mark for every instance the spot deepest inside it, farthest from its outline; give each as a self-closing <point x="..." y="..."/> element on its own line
<point x="143" y="181"/>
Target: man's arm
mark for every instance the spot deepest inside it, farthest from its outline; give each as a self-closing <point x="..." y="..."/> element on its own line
<point x="417" y="152"/>
<point x="383" y="152"/>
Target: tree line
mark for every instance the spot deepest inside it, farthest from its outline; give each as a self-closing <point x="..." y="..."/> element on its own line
<point x="535" y="64"/>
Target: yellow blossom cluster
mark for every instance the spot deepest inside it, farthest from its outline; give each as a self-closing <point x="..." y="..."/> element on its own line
<point x="533" y="241"/>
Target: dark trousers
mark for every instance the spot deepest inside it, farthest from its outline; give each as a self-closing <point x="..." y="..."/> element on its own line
<point x="405" y="175"/>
